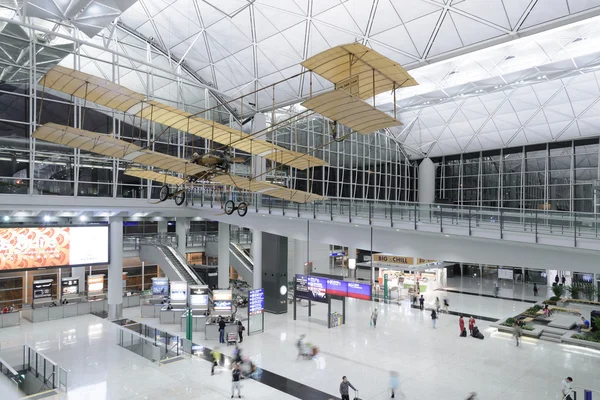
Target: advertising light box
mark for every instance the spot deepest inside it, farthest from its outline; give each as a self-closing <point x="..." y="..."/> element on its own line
<point x="199" y="296"/>
<point x="42" y="289"/>
<point x="256" y="302"/>
<point x="95" y="283"/>
<point x="222" y="300"/>
<point x="336" y="287"/>
<point x="160" y="286"/>
<point x="44" y="247"/>
<point x="179" y="292"/>
<point x="360" y="291"/>
<point x="70" y="286"/>
<point x="311" y="288"/>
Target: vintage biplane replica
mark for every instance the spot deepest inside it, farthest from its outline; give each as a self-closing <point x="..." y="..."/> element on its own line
<point x="357" y="72"/>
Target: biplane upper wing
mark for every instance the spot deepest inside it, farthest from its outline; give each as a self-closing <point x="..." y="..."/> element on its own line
<point x="108" y="94"/>
<point x="341" y="106"/>
<point x="109" y="146"/>
<point x="155" y="176"/>
<point x="376" y="73"/>
<point x="267" y="188"/>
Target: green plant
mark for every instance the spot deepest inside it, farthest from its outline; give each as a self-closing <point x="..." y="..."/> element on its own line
<point x="554" y="299"/>
<point x="508" y="322"/>
<point x="527" y="328"/>
<point x="589" y="291"/>
<point x="558" y="291"/>
<point x="550" y="302"/>
<point x="532" y="311"/>
<point x="574" y="290"/>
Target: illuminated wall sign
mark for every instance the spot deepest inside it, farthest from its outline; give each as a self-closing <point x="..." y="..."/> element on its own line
<point x="222" y="300"/>
<point x="160" y="286"/>
<point x="199" y="296"/>
<point x="42" y="289"/>
<point x="179" y="292"/>
<point x="390" y="259"/>
<point x="70" y="286"/>
<point x="43" y="247"/>
<point x="95" y="283"/>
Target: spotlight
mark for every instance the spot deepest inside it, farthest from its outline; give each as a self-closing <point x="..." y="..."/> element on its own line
<point x="6" y="218"/>
<point x="46" y="218"/>
<point x="83" y="218"/>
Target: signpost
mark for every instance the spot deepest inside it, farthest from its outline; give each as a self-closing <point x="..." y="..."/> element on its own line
<point x="256" y="311"/>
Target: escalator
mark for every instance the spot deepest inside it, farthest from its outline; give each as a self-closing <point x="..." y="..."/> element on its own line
<point x="170" y="261"/>
<point x="241" y="262"/>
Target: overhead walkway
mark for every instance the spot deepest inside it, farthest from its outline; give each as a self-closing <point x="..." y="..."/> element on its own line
<point x="568" y="229"/>
<point x="170" y="260"/>
<point x="497" y="236"/>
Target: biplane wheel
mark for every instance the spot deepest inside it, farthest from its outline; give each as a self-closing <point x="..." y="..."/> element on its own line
<point x="179" y="197"/>
<point x="229" y="207"/>
<point x="164" y="193"/>
<point x="242" y="209"/>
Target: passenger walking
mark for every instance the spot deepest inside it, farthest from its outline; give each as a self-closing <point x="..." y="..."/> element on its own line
<point x="241" y="330"/>
<point x="461" y="326"/>
<point x="472" y="396"/>
<point x="446" y="305"/>
<point x="437" y="305"/>
<point x="235" y="381"/>
<point x="394" y="384"/>
<point x="518" y="332"/>
<point x="496" y="289"/>
<point x="374" y="318"/>
<point x="344" y="388"/>
<point x="216" y="359"/>
<point x="421" y="302"/>
<point x="433" y="317"/>
<point x="300" y="346"/>
<point x="566" y="389"/>
<point x="535" y="289"/>
<point x="471" y="325"/>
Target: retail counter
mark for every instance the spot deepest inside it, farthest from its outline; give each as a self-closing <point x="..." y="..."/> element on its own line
<point x="10" y="319"/>
<point x="151" y="310"/>
<point x="131" y="301"/>
<point x="172" y="316"/>
<point x="198" y="323"/>
<point x="64" y="311"/>
<point x="211" y="331"/>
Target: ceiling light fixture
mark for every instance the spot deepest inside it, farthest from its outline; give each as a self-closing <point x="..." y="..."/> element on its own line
<point x="83" y="218"/>
<point x="46" y="218"/>
<point x="6" y="218"/>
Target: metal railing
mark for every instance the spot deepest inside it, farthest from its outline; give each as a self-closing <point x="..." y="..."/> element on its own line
<point x="152" y="343"/>
<point x="11" y="374"/>
<point x="577" y="227"/>
<point x="193" y="239"/>
<point x="26" y="359"/>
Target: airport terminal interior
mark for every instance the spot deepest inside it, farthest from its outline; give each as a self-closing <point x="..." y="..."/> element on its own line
<point x="300" y="199"/>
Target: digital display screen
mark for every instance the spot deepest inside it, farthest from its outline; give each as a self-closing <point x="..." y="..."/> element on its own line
<point x="95" y="283"/>
<point x="256" y="301"/>
<point x="222" y="300"/>
<point x="179" y="291"/>
<point x="42" y="289"/>
<point x="43" y="247"/>
<point x="360" y="291"/>
<point x="199" y="296"/>
<point x="336" y="287"/>
<point x="70" y="286"/>
<point x="160" y="286"/>
<point x="311" y="288"/>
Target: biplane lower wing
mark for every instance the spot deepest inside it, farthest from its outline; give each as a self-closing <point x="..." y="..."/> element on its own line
<point x="106" y="145"/>
<point x="267" y="188"/>
<point x="339" y="105"/>
<point x="155" y="176"/>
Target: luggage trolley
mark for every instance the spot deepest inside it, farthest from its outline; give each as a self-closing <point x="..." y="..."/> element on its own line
<point x="232" y="338"/>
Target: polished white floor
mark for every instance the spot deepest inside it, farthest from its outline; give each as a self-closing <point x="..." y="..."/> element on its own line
<point x="432" y="363"/>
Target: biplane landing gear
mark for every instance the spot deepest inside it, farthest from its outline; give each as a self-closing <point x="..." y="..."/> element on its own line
<point x="178" y="195"/>
<point x="230" y="207"/>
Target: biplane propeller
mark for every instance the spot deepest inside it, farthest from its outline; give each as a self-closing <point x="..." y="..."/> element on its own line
<point x="357" y="72"/>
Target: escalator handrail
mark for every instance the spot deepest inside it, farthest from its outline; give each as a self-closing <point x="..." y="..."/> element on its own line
<point x="160" y="248"/>
<point x="236" y="248"/>
<point x="185" y="266"/>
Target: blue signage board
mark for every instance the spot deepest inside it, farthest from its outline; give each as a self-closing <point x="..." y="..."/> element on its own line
<point x="359" y="291"/>
<point x="256" y="301"/>
<point x="336" y="287"/>
<point x="311" y="288"/>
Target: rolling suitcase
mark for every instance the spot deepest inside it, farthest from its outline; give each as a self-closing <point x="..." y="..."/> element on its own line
<point x="356" y="395"/>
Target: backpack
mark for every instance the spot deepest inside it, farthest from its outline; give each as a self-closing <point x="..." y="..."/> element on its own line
<point x="298" y="343"/>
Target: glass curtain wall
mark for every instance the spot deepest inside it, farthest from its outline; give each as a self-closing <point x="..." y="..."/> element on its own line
<point x="554" y="176"/>
<point x="361" y="166"/>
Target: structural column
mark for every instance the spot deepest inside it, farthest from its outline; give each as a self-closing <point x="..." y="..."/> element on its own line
<point x="115" y="269"/>
<point x="351" y="264"/>
<point x="163" y="226"/>
<point x="223" y="255"/>
<point x="79" y="273"/>
<point x="257" y="258"/>
<point x="427" y="181"/>
<point x="182" y="226"/>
